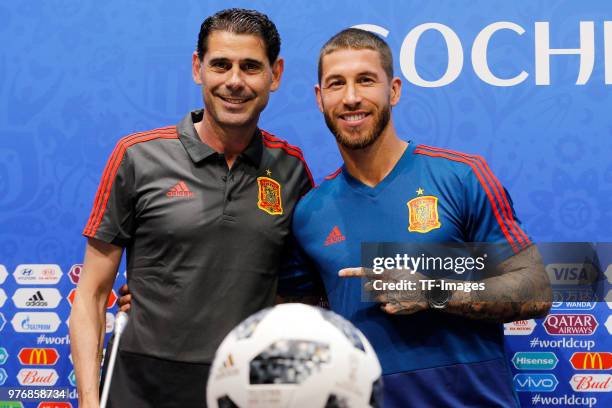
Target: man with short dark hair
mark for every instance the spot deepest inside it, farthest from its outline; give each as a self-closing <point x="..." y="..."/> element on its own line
<point x="203" y="210"/>
<point x="437" y="348"/>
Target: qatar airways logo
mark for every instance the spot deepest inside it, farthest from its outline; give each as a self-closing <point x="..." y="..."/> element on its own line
<point x="570" y="324"/>
<point x="584" y="47"/>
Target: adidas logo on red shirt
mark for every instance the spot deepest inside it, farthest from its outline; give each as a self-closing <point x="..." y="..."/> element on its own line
<point x="334" y="237"/>
<point x="180" y="190"/>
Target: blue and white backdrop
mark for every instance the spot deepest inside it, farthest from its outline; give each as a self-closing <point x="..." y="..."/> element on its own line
<point x="524" y="83"/>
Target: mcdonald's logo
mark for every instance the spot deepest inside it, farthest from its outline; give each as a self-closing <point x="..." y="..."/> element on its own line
<point x="601" y="360"/>
<point x="38" y="356"/>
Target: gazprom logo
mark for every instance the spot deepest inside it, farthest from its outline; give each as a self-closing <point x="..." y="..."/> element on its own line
<point x="535" y="382"/>
<point x="35" y="322"/>
<point x="526" y="360"/>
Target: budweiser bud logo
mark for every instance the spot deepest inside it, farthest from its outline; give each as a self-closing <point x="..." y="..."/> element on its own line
<point x="37" y="376"/>
<point x="591" y="382"/>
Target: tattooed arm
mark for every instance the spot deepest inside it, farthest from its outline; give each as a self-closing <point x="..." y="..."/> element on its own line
<point x="520" y="291"/>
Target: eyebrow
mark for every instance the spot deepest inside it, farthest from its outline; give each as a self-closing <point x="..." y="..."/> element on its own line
<point x="359" y="74"/>
<point x="252" y="61"/>
<point x="246" y="60"/>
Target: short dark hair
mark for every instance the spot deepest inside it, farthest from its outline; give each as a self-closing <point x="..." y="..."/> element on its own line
<point x="357" y="39"/>
<point x="241" y="21"/>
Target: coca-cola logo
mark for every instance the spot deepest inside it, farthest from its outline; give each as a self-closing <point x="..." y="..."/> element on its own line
<point x="570" y="324"/>
<point x="54" y="404"/>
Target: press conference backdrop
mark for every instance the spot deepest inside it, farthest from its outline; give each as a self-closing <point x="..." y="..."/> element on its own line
<point x="526" y="84"/>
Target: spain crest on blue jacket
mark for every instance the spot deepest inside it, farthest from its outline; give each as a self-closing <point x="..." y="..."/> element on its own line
<point x="423" y="214"/>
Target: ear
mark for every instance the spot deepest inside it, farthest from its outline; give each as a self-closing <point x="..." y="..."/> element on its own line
<point x="317" y="89"/>
<point x="277" y="73"/>
<point x="396" y="90"/>
<point x="196" y="65"/>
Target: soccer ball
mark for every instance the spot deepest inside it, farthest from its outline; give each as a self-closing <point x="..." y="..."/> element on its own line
<point x="295" y="356"/>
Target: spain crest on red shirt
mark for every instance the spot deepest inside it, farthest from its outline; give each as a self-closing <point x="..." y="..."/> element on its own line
<point x="423" y="214"/>
<point x="269" y="197"/>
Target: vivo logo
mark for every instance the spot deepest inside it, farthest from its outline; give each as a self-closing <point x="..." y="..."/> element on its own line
<point x="479" y="53"/>
<point x="535" y="382"/>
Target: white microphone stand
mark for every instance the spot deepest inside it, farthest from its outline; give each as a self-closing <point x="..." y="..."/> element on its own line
<point x="120" y="322"/>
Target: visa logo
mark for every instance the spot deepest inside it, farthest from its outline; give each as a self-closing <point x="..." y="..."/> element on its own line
<point x="535" y="382"/>
<point x="564" y="274"/>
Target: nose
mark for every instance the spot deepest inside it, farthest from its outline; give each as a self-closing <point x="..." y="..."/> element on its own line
<point x="235" y="80"/>
<point x="351" y="97"/>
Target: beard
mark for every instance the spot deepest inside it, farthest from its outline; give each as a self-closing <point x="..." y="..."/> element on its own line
<point x="353" y="140"/>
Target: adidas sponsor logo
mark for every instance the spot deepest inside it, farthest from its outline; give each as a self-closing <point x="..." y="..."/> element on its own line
<point x="334" y="237"/>
<point x="37" y="300"/>
<point x="179" y="190"/>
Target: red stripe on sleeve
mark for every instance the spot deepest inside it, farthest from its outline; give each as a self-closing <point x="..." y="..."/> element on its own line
<point x="497" y="188"/>
<point x="498" y="216"/>
<point x="271" y="138"/>
<point x="288" y="150"/>
<point x="112" y="166"/>
<point x="109" y="165"/>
